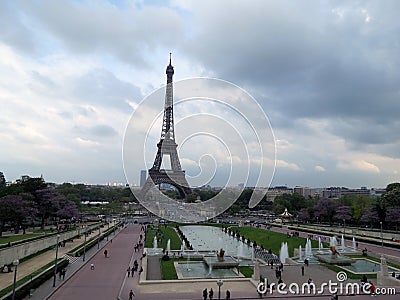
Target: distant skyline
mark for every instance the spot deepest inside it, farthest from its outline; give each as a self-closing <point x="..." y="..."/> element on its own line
<point x="325" y="73"/>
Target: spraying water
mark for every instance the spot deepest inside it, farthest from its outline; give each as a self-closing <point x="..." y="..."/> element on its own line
<point x="155" y="244"/>
<point x="319" y="243"/>
<point x="240" y="251"/>
<point x="308" y="249"/>
<point x="300" y="253"/>
<point x="284" y="253"/>
<point x="333" y="241"/>
<point x="168" y="246"/>
<point x="354" y="243"/>
<point x="342" y="243"/>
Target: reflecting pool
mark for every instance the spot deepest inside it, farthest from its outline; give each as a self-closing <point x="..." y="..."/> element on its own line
<point x="213" y="238"/>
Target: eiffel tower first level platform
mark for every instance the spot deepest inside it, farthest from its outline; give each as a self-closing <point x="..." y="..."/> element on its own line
<point x="167" y="147"/>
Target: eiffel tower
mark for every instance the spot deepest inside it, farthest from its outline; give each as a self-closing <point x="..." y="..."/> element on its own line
<point x="167" y="146"/>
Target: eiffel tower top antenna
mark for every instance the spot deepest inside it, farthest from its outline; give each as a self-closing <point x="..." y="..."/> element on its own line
<point x="167" y="131"/>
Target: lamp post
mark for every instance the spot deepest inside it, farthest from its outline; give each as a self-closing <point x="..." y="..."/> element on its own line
<point x="98" y="239"/>
<point x="84" y="245"/>
<point x="55" y="263"/>
<point x="15" y="264"/>
<point x="381" y="234"/>
<point x="219" y="283"/>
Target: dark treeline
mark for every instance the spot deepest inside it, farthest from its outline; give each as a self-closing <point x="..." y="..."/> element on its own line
<point x="33" y="201"/>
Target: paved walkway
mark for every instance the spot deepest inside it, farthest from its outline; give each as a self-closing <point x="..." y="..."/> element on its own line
<point x="104" y="282"/>
<point x="109" y="279"/>
<point x="28" y="267"/>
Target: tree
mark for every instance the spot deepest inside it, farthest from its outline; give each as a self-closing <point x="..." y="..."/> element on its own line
<point x="7" y="204"/>
<point x="15" y="208"/>
<point x="293" y="203"/>
<point x="391" y="198"/>
<point x="304" y="214"/>
<point x="343" y="213"/>
<point x="67" y="209"/>
<point x="2" y="180"/>
<point x="47" y="204"/>
<point x="370" y="215"/>
<point x="325" y="209"/>
<point x="33" y="184"/>
<point x="393" y="216"/>
<point x="393" y="186"/>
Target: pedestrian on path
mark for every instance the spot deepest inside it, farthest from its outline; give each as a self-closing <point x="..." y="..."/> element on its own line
<point x="129" y="270"/>
<point x="302" y="270"/>
<point x="228" y="295"/>
<point x="205" y="294"/>
<point x="92" y="266"/>
<point x="132" y="271"/>
<point x="105" y="253"/>
<point x="131" y="294"/>
<point x="63" y="271"/>
<point x="211" y="294"/>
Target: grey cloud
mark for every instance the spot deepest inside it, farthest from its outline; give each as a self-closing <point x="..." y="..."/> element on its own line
<point x="103" y="131"/>
<point x="103" y="88"/>
<point x="96" y="131"/>
<point x="14" y="31"/>
<point x="127" y="34"/>
<point x="310" y="62"/>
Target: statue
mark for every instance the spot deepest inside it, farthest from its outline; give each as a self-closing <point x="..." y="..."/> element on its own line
<point x="334" y="251"/>
<point x="220" y="255"/>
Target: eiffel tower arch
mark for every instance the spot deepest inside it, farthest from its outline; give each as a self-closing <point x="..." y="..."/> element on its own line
<point x="167" y="147"/>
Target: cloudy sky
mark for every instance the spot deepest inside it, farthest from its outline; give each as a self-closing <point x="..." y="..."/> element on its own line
<point x="326" y="73"/>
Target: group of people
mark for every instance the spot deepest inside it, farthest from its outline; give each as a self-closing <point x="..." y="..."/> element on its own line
<point x="137" y="247"/>
<point x="210" y="294"/>
<point x="62" y="273"/>
<point x="131" y="271"/>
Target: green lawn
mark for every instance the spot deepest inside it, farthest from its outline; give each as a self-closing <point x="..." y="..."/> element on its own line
<point x="19" y="237"/>
<point x="246" y="271"/>
<point x="272" y="240"/>
<point x="164" y="233"/>
<point x="168" y="271"/>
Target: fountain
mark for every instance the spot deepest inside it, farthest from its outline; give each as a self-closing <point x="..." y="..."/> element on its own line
<point x="354" y="243"/>
<point x="342" y="243"/>
<point x="284" y="253"/>
<point x="155" y="244"/>
<point x="300" y="253"/>
<point x="319" y="243"/>
<point x="333" y="241"/>
<point x="240" y="251"/>
<point x="308" y="249"/>
<point x="168" y="246"/>
<point x="334" y="258"/>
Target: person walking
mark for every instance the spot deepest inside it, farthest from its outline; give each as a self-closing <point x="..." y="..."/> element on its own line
<point x="205" y="294"/>
<point x="131" y="294"/>
<point x="302" y="270"/>
<point x="228" y="295"/>
<point x="211" y="294"/>
<point x="63" y="271"/>
<point x="105" y="253"/>
<point x="128" y="270"/>
<point x="91" y="266"/>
